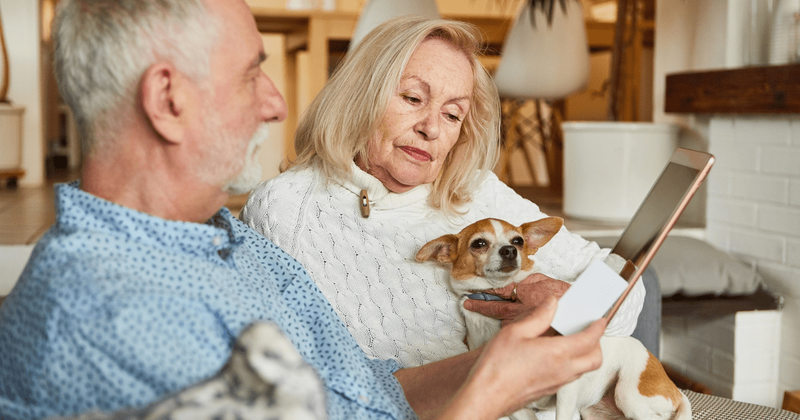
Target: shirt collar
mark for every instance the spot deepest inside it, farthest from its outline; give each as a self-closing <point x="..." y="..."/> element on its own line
<point x="78" y="210"/>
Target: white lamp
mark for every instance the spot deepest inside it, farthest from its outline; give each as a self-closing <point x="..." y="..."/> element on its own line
<point x="541" y="59"/>
<point x="379" y="11"/>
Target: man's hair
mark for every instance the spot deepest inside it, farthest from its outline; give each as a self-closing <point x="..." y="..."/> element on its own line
<point x="342" y="119"/>
<point x="102" y="48"/>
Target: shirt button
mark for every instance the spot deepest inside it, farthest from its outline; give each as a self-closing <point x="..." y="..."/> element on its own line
<point x="217" y="240"/>
<point x="363" y="398"/>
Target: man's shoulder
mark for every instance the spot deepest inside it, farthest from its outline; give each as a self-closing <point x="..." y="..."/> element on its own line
<point x="62" y="264"/>
<point x="264" y="250"/>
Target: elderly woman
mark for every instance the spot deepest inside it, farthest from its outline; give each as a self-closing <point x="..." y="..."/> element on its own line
<point x="396" y="150"/>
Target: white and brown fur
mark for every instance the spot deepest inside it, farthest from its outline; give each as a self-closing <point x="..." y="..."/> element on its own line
<point x="492" y="253"/>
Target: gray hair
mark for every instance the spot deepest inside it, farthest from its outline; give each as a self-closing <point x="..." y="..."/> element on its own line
<point x="345" y="115"/>
<point x="102" y="48"/>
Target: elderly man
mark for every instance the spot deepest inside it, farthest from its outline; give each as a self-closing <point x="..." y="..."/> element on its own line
<point x="144" y="282"/>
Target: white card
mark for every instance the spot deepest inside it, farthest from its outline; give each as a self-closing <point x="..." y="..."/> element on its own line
<point x="588" y="298"/>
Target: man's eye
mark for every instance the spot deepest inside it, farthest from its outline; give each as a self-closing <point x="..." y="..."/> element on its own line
<point x="478" y="243"/>
<point x="518" y="241"/>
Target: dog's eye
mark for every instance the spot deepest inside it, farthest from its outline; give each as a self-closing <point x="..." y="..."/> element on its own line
<point x="478" y="243"/>
<point x="518" y="241"/>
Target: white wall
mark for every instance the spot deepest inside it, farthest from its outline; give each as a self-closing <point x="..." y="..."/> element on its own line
<point x="22" y="33"/>
<point x="754" y="212"/>
<point x="736" y="356"/>
<point x="689" y="36"/>
<point x="753" y="209"/>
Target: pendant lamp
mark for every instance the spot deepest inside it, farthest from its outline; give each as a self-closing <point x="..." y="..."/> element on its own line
<point x="545" y="54"/>
<point x="380" y="11"/>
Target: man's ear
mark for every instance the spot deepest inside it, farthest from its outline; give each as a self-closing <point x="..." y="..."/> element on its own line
<point x="165" y="96"/>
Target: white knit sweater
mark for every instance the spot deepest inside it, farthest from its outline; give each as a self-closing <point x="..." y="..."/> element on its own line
<point x="394" y="306"/>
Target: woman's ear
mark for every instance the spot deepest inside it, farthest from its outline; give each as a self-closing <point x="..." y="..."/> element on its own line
<point x="165" y="97"/>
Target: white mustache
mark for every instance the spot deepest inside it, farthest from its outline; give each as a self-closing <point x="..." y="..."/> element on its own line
<point x="261" y="135"/>
<point x="250" y="175"/>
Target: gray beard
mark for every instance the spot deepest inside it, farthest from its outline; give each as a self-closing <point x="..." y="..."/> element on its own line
<point x="250" y="175"/>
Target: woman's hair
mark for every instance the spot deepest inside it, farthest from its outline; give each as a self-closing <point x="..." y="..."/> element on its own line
<point x="342" y="119"/>
<point x="102" y="48"/>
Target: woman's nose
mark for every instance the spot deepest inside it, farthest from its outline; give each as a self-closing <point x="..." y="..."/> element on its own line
<point x="428" y="125"/>
<point x="273" y="107"/>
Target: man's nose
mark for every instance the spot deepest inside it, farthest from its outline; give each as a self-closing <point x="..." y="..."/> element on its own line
<point x="273" y="106"/>
<point x="428" y="125"/>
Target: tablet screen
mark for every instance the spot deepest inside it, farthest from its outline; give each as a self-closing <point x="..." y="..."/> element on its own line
<point x="655" y="211"/>
<point x="658" y="212"/>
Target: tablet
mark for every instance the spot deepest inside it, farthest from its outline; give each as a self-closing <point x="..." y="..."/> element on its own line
<point x="658" y="213"/>
<point x="599" y="287"/>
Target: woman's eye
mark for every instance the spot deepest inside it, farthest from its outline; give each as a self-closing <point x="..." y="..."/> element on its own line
<point x="478" y="243"/>
<point x="412" y="99"/>
<point x="518" y="241"/>
<point x="453" y="118"/>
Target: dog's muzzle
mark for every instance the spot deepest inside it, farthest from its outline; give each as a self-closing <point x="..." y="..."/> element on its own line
<point x="508" y="252"/>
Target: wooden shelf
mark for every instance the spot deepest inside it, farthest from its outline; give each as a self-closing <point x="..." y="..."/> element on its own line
<point x="717" y="306"/>
<point x="748" y="90"/>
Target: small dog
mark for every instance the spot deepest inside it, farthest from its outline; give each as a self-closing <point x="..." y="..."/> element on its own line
<point x="491" y="254"/>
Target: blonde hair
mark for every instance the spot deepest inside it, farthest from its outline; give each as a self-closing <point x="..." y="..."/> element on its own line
<point x="345" y="115"/>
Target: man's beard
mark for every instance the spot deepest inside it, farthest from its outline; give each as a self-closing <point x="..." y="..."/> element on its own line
<point x="221" y="161"/>
<point x="250" y="175"/>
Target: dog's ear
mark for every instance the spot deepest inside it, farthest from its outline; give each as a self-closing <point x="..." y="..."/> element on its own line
<point x="443" y="249"/>
<point x="539" y="232"/>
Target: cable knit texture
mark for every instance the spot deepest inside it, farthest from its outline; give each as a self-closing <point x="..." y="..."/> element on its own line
<point x="395" y="307"/>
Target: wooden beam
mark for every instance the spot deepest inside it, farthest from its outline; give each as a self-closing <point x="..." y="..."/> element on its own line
<point x="748" y="90"/>
<point x="710" y="306"/>
<point x="296" y="41"/>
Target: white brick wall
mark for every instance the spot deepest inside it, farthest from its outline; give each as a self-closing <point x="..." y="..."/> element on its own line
<point x="737" y="356"/>
<point x="701" y="349"/>
<point x="754" y="212"/>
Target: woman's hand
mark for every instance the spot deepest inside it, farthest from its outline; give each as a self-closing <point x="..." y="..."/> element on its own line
<point x="520" y="365"/>
<point x="532" y="292"/>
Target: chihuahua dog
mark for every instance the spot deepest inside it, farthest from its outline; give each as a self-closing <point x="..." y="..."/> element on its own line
<point x="491" y="254"/>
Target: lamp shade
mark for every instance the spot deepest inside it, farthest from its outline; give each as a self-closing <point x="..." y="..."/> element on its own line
<point x="379" y="11"/>
<point x="544" y="60"/>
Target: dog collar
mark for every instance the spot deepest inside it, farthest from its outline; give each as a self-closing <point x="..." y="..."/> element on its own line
<point x="485" y="296"/>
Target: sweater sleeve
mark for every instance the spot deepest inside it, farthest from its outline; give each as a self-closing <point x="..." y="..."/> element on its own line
<point x="566" y="255"/>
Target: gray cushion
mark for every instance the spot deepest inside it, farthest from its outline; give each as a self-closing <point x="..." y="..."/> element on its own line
<point x="694" y="267"/>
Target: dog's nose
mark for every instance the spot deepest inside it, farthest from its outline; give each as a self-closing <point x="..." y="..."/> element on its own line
<point x="508" y="252"/>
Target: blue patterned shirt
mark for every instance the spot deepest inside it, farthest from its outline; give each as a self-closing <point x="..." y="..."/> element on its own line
<point x="117" y="308"/>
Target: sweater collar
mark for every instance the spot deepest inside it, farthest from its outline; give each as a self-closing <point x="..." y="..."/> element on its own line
<point x="380" y="198"/>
